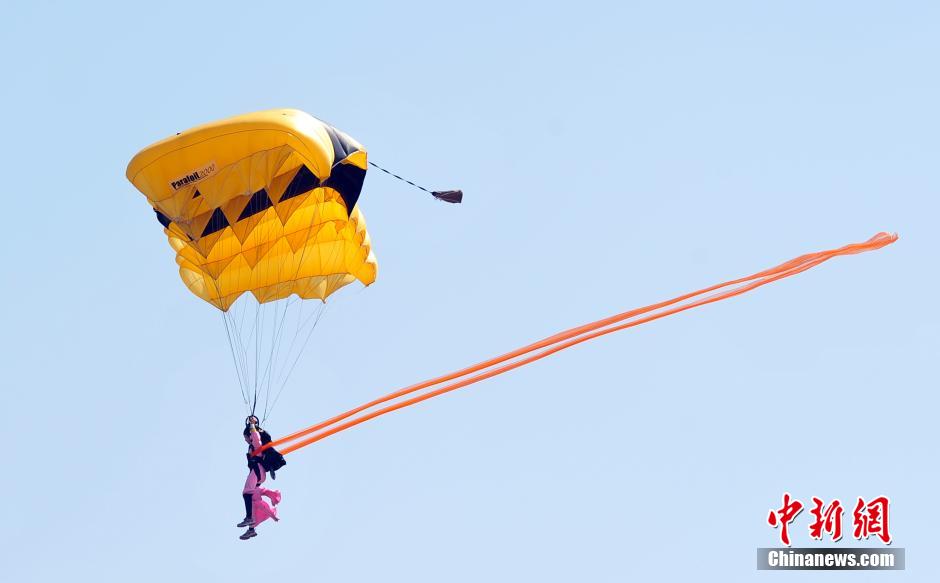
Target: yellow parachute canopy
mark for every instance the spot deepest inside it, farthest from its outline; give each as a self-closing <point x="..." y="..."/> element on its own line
<point x="262" y="203"/>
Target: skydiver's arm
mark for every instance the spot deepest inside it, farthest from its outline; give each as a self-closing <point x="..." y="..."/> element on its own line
<point x="255" y="438"/>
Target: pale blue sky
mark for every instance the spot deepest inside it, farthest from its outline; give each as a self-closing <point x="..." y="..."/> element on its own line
<point x="612" y="154"/>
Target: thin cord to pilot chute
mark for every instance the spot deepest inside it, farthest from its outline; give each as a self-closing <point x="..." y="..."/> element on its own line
<point x="572" y="337"/>
<point x="451" y="196"/>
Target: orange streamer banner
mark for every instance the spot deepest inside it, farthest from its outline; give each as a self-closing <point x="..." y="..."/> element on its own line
<point x="572" y="337"/>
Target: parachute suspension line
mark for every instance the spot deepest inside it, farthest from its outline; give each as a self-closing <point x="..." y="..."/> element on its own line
<point x="299" y="320"/>
<point x="282" y="358"/>
<point x="319" y="314"/>
<point x="451" y="196"/>
<point x="263" y="349"/>
<point x="572" y="337"/>
<point x="301" y="325"/>
<point x="276" y="355"/>
<point x="231" y="345"/>
<point x="242" y="349"/>
<point x="277" y="334"/>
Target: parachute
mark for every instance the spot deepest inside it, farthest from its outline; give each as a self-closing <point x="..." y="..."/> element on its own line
<point x="261" y="210"/>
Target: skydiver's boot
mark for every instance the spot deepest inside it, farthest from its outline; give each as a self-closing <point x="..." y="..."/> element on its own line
<point x="248" y="534"/>
<point x="248" y="521"/>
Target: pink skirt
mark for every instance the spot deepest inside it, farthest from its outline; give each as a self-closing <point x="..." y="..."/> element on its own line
<point x="261" y="510"/>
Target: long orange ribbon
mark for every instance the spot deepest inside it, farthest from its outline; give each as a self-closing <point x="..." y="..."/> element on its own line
<point x="568" y="338"/>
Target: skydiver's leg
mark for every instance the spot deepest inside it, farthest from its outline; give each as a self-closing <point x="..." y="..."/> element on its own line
<point x="247" y="520"/>
<point x="251" y="483"/>
<point x="248" y="494"/>
<point x="260" y="509"/>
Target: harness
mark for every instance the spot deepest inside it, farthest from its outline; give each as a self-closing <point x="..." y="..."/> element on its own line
<point x="270" y="459"/>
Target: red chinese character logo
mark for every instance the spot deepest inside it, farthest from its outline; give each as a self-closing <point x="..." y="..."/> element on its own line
<point x="828" y="519"/>
<point x="872" y="519"/>
<point x="784" y="516"/>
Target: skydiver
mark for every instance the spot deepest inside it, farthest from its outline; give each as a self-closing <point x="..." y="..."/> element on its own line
<point x="257" y="510"/>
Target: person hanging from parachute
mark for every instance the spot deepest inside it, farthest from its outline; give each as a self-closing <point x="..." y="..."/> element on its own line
<point x="257" y="509"/>
<point x="261" y="210"/>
